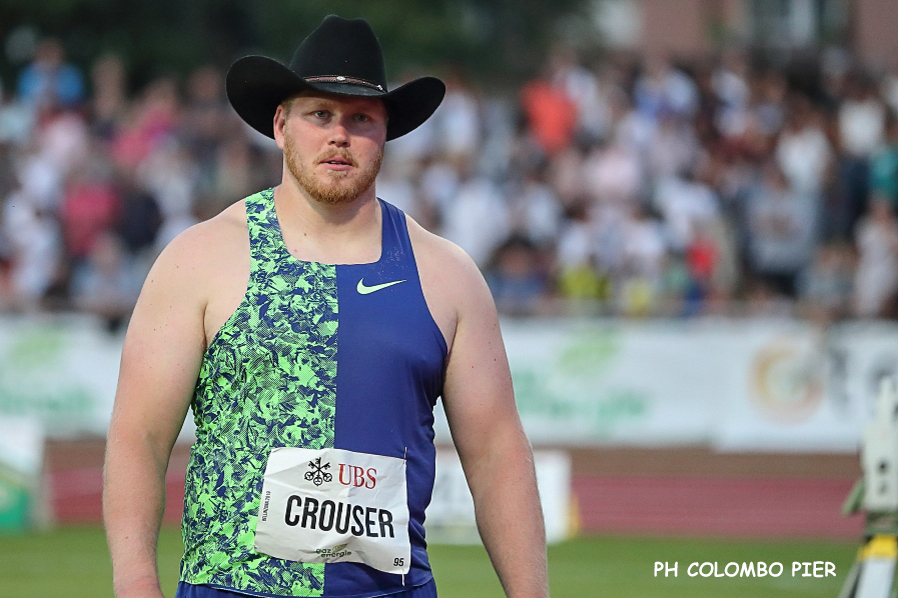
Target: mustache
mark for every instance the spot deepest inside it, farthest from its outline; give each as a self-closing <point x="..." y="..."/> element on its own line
<point x="339" y="153"/>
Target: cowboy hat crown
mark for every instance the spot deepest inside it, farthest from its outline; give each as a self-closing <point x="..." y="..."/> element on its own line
<point x="340" y="56"/>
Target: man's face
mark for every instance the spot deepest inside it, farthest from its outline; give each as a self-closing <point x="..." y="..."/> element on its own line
<point x="333" y="145"/>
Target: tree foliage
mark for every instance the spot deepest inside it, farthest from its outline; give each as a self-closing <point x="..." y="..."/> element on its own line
<point x="493" y="40"/>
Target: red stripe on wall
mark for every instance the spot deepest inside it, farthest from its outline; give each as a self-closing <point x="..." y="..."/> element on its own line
<point x="747" y="507"/>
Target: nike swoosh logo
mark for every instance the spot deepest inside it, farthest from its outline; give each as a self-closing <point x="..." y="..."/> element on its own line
<point x="365" y="290"/>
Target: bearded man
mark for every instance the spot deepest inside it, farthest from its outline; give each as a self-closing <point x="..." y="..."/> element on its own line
<point x="311" y="328"/>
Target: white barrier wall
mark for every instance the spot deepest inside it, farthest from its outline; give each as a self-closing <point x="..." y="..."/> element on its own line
<point x="736" y="385"/>
<point x="21" y="455"/>
<point x="61" y="371"/>
<point x="450" y="516"/>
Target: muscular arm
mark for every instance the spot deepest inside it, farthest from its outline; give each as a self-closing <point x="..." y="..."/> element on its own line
<point x="160" y="360"/>
<point x="494" y="451"/>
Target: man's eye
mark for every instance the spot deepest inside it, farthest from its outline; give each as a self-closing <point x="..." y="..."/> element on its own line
<point x="320" y="113"/>
<point x="362" y="118"/>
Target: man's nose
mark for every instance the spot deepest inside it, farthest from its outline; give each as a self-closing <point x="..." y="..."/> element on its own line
<point x="340" y="133"/>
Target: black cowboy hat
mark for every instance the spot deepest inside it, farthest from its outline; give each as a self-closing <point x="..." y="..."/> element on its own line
<point x="340" y="56"/>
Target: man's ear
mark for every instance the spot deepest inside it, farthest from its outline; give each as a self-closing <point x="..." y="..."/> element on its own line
<point x="280" y="121"/>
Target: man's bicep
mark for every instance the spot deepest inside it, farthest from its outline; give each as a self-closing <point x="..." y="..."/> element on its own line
<point x="478" y="394"/>
<point x="161" y="357"/>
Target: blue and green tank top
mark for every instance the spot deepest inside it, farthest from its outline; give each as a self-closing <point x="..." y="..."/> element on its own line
<point x="311" y="358"/>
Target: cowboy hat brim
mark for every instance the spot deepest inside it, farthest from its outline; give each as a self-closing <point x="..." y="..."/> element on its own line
<point x="256" y="86"/>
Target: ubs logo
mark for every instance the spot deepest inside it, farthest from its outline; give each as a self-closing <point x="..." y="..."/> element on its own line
<point x="317" y="473"/>
<point x="358" y="476"/>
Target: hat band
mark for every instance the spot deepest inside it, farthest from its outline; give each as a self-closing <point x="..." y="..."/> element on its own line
<point x="342" y="79"/>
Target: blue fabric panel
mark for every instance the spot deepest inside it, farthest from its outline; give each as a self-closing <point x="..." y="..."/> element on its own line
<point x="390" y="360"/>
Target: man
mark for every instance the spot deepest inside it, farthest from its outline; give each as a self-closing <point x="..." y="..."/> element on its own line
<point x="311" y="328"/>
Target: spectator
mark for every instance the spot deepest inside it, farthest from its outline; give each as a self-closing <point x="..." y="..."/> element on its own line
<point x="64" y="140"/>
<point x="458" y="126"/>
<point x="399" y="189"/>
<point x="781" y="232"/>
<point x="825" y="287"/>
<point x="535" y="212"/>
<point x="770" y="102"/>
<point x="684" y="201"/>
<point x="643" y="251"/>
<point x="876" y="276"/>
<point x="664" y="89"/>
<point x="862" y="117"/>
<point x="730" y="84"/>
<point x="91" y="204"/>
<point x="477" y="219"/>
<point x="612" y="177"/>
<point x="702" y="257"/>
<point x="861" y="123"/>
<point x="35" y="249"/>
<point x="16" y="121"/>
<point x="671" y="147"/>
<point x="551" y="115"/>
<point x="582" y="87"/>
<point x="803" y="153"/>
<point x="49" y="83"/>
<point x="208" y="119"/>
<point x="515" y="277"/>
<point x="109" y="103"/>
<point x="232" y="174"/>
<point x="106" y="283"/>
<point x="171" y="175"/>
<point x="155" y="117"/>
<point x="565" y="173"/>
<point x="139" y="219"/>
<point x="884" y="163"/>
<point x="637" y="191"/>
<point x="630" y="128"/>
<point x="439" y="181"/>
<point x="579" y="278"/>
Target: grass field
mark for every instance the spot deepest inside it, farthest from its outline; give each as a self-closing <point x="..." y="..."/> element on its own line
<point x="72" y="562"/>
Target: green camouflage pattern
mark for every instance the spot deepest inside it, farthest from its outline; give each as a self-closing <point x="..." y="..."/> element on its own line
<point x="268" y="379"/>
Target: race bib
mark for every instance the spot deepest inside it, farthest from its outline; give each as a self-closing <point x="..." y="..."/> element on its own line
<point x="332" y="505"/>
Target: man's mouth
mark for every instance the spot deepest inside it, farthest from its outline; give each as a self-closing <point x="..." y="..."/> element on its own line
<point x="338" y="161"/>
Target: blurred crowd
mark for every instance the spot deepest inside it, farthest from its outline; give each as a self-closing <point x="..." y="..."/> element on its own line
<point x="628" y="186"/>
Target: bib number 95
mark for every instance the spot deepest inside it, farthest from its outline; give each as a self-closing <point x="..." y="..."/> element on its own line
<point x="398" y="562"/>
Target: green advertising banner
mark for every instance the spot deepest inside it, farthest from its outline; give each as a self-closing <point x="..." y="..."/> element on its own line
<point x="14" y="503"/>
<point x="60" y="371"/>
<point x="21" y="458"/>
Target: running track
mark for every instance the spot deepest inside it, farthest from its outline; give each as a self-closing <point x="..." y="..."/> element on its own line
<point x="617" y="491"/>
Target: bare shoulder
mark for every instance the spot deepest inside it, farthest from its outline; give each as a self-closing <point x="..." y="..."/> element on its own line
<point x="440" y="257"/>
<point x="205" y="248"/>
<point x="452" y="284"/>
<point x="204" y="240"/>
<point x="199" y="271"/>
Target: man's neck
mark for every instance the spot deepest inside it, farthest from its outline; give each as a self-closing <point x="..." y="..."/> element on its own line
<point x="344" y="233"/>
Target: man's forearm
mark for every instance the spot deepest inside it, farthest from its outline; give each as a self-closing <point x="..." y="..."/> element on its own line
<point x="133" y="503"/>
<point x="510" y="521"/>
